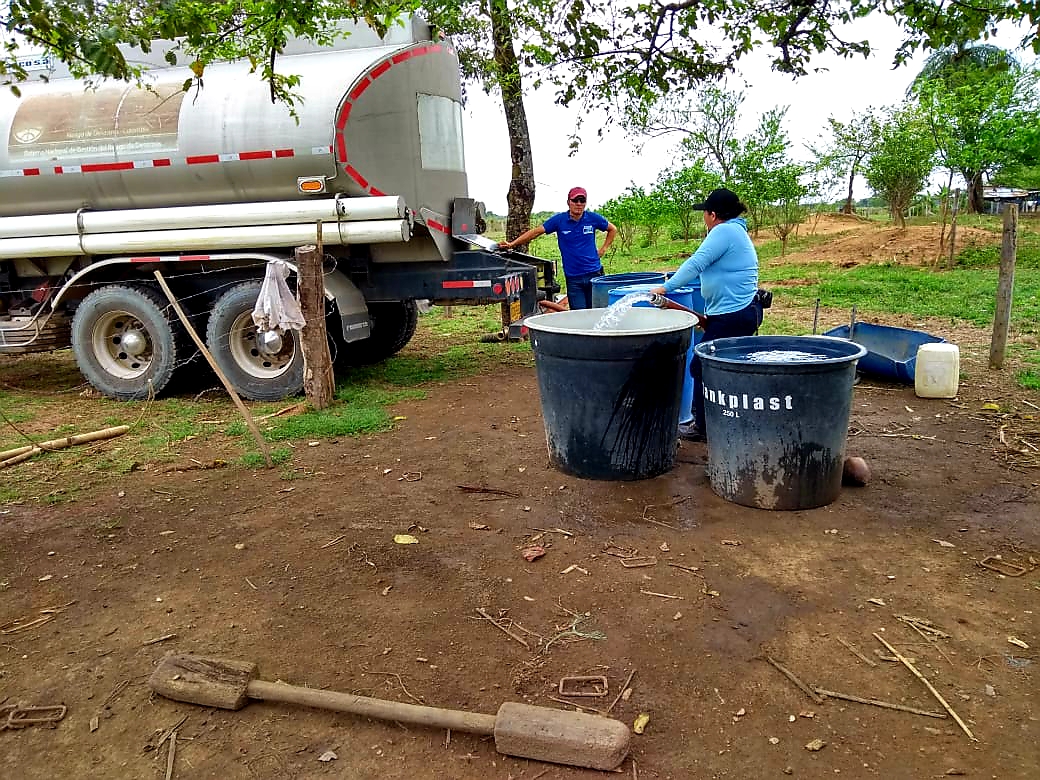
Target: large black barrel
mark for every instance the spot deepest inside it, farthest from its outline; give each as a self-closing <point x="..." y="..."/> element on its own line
<point x="777" y="417"/>
<point x="610" y="398"/>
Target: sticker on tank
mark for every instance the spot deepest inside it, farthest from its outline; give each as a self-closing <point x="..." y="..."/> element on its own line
<point x="111" y="121"/>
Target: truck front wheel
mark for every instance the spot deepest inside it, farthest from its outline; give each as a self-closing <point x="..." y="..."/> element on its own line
<point x="125" y="339"/>
<point x="393" y="325"/>
<point x="261" y="367"/>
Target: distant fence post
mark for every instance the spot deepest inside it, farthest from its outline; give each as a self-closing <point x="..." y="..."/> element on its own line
<point x="1005" y="287"/>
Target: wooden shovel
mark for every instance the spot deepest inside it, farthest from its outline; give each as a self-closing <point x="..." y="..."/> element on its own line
<point x="520" y="730"/>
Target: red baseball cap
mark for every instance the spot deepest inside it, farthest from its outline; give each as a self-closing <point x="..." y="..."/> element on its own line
<point x="576" y="191"/>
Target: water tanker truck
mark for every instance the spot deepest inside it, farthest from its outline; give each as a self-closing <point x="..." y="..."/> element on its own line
<point x="102" y="184"/>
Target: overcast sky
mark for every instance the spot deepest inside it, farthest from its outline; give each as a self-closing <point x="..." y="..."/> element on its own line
<point x="607" y="167"/>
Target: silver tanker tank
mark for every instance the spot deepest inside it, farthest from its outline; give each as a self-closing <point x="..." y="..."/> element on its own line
<point x="375" y="117"/>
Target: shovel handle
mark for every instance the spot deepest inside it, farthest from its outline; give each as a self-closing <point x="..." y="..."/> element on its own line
<point x="457" y="720"/>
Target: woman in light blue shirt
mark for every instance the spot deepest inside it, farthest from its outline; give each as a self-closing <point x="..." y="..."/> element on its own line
<point x="727" y="264"/>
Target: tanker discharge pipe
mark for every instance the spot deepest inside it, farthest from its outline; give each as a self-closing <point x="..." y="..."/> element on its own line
<point x="207" y="239"/>
<point x="218" y="216"/>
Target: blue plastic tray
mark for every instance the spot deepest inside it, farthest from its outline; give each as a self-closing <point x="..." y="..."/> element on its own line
<point x="891" y="352"/>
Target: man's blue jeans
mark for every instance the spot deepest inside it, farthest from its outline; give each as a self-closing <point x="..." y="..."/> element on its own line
<point x="579" y="290"/>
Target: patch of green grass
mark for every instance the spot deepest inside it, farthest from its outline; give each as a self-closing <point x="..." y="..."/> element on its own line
<point x="465" y="321"/>
<point x="1028" y="377"/>
<point x="775" y="325"/>
<point x="124" y="464"/>
<point x="964" y="294"/>
<point x="341" y="420"/>
<point x="16" y="409"/>
<point x="1030" y="380"/>
<point x="57" y="497"/>
<point x="9" y="493"/>
<point x="1027" y="254"/>
<point x="255" y="460"/>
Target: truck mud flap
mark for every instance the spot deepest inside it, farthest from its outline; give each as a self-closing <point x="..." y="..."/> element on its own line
<point x="353" y="311"/>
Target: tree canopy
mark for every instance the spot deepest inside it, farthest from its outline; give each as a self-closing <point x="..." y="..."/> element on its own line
<point x="640" y="50"/>
<point x="982" y="107"/>
<point x="644" y="50"/>
<point x="902" y="160"/>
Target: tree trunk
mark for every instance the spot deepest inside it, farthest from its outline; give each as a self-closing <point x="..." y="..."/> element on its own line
<point x="848" y="207"/>
<point x="973" y="196"/>
<point x="520" y="197"/>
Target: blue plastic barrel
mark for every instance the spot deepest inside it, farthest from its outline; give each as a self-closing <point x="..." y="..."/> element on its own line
<point x="777" y="416"/>
<point x="690" y="297"/>
<point x="610" y="397"/>
<point x="602" y="285"/>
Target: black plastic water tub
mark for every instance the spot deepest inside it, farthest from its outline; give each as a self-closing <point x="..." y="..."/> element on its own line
<point x="777" y="417"/>
<point x="610" y="398"/>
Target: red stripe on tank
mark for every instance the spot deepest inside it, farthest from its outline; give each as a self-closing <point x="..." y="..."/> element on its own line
<point x="344" y="114"/>
<point x="360" y="88"/>
<point x="112" y="166"/>
<point x="352" y="172"/>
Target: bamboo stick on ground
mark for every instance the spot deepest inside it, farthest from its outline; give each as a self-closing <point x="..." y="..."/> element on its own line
<point x="852" y="649"/>
<point x="879" y="703"/>
<point x="791" y="676"/>
<point x="928" y="685"/>
<point x="20" y="454"/>
<point x="502" y="628"/>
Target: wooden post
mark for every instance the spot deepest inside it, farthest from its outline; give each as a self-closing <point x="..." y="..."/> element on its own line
<point x="1005" y="287"/>
<point x="216" y="369"/>
<point x="953" y="225"/>
<point x="318" y="382"/>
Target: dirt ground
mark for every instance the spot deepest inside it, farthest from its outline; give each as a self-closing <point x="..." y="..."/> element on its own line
<point x="858" y="242"/>
<point x="304" y="577"/>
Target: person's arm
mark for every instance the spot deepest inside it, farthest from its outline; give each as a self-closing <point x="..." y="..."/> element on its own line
<point x="611" y="232"/>
<point x="524" y="238"/>
<point x="710" y="250"/>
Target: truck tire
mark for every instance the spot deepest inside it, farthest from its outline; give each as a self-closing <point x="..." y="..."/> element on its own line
<point x="232" y="339"/>
<point x="393" y="325"/>
<point x="125" y="338"/>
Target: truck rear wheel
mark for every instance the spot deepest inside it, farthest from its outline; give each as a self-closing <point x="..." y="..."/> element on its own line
<point x="258" y="371"/>
<point x="393" y="325"/>
<point x="126" y="338"/>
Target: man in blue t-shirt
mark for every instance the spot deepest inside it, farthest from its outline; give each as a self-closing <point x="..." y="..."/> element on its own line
<point x="575" y="231"/>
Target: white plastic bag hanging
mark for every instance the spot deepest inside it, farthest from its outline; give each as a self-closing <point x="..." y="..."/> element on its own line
<point x="276" y="307"/>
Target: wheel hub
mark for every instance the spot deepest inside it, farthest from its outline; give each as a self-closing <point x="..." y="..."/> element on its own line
<point x="262" y="355"/>
<point x="134" y="342"/>
<point x="269" y="342"/>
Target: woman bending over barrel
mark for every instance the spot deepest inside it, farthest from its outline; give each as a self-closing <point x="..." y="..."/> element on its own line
<point x="727" y="265"/>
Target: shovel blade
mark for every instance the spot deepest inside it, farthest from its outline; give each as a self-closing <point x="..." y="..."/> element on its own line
<point x="208" y="682"/>
<point x="561" y="737"/>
